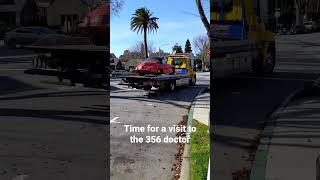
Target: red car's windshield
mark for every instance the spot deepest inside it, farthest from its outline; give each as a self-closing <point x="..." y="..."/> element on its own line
<point x="153" y="60"/>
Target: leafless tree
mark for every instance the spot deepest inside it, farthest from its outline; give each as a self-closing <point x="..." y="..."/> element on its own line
<point x="305" y="7"/>
<point x="116" y="6"/>
<point x="92" y="4"/>
<point x="139" y="47"/>
<point x="201" y="43"/>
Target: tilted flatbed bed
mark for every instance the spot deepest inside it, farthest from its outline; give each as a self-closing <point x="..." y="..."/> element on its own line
<point x="69" y="57"/>
<point x="163" y="81"/>
<point x="183" y="75"/>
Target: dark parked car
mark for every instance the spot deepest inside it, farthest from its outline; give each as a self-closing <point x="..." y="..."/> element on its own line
<point x="297" y="29"/>
<point x="26" y="35"/>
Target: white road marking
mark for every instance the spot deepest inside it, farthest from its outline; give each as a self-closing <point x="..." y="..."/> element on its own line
<point x="114" y="120"/>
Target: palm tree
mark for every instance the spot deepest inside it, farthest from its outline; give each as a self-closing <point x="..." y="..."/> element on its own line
<point x="143" y="21"/>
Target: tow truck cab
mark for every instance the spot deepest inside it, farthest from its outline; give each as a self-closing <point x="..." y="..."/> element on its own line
<point x="240" y="40"/>
<point x="184" y="64"/>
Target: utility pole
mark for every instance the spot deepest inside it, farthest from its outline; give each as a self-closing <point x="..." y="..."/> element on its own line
<point x="161" y="46"/>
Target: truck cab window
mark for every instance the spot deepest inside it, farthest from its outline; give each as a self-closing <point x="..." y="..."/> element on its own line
<point x="177" y="62"/>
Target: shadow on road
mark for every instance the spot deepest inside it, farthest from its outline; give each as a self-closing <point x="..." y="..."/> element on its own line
<point x="10" y="85"/>
<point x="15" y="61"/>
<point x="56" y="94"/>
<point x="6" y="51"/>
<point x="12" y="89"/>
<point x="57" y="115"/>
<point x="180" y="95"/>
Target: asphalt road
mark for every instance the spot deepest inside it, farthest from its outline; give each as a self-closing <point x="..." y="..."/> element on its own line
<point x="49" y="130"/>
<point x="143" y="161"/>
<point x="243" y="103"/>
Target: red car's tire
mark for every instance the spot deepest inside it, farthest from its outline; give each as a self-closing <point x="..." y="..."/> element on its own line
<point x="173" y="70"/>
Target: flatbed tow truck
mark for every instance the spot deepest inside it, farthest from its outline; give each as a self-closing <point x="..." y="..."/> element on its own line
<point x="65" y="56"/>
<point x="66" y="61"/>
<point x="184" y="75"/>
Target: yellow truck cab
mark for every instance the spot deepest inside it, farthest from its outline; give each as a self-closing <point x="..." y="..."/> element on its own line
<point x="184" y="64"/>
<point x="240" y="41"/>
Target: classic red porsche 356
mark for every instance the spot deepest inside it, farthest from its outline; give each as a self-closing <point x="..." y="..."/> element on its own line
<point x="96" y="25"/>
<point x="154" y="65"/>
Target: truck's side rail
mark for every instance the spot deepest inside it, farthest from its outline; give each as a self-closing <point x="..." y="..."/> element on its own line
<point x="221" y="48"/>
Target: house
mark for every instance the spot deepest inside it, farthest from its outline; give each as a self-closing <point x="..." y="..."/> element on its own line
<point x="61" y="13"/>
<point x="65" y="14"/>
<point x="10" y="11"/>
<point x="132" y="64"/>
<point x="115" y="63"/>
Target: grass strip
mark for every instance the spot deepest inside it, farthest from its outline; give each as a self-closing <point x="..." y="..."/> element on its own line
<point x="200" y="150"/>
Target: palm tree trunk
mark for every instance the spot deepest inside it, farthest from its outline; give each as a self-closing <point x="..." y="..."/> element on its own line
<point x="203" y="16"/>
<point x="145" y="42"/>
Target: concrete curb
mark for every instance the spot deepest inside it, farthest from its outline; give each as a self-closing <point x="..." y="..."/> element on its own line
<point x="185" y="165"/>
<point x="258" y="170"/>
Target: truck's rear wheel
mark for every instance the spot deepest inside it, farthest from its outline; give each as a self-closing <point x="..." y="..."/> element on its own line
<point x="172" y="86"/>
<point x="172" y="71"/>
<point x="270" y="62"/>
<point x="148" y="88"/>
<point x="192" y="81"/>
<point x="264" y="65"/>
<point x="257" y="64"/>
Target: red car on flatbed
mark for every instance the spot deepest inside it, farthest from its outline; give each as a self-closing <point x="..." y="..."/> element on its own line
<point x="154" y="65"/>
<point x="96" y="25"/>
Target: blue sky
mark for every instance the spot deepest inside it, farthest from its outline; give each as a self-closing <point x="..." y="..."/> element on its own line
<point x="178" y="21"/>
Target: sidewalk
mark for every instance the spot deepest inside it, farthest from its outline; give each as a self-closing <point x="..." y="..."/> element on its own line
<point x="202" y="108"/>
<point x="200" y="111"/>
<point x="293" y="143"/>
